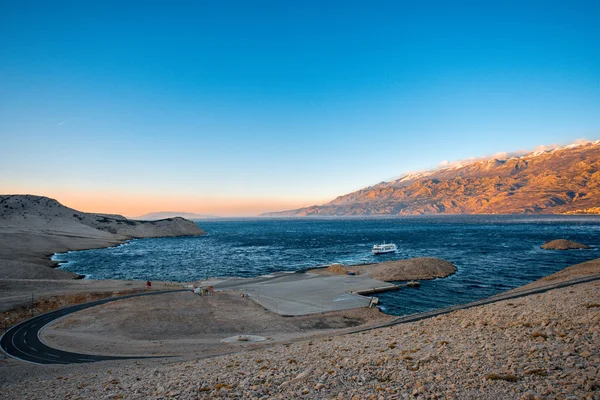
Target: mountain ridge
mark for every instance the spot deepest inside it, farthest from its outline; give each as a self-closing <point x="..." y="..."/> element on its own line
<point x="171" y="214"/>
<point x="553" y="181"/>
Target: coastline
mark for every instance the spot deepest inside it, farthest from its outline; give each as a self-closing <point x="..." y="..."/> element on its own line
<point x="34" y="228"/>
<point x="521" y="348"/>
<point x="76" y="246"/>
<point x="36" y="255"/>
<point x="480" y="352"/>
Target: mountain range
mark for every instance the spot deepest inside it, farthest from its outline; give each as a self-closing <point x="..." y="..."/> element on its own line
<point x="563" y="180"/>
<point x="153" y="216"/>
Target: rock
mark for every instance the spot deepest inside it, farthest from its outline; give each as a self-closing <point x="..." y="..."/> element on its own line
<point x="531" y="396"/>
<point x="406" y="270"/>
<point x="337" y="269"/>
<point x="563" y="244"/>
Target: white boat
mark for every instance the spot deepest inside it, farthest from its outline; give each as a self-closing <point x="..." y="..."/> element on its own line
<point x="384" y="248"/>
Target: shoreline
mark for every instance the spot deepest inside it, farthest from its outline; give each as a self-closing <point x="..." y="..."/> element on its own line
<point x="311" y="269"/>
<point x="399" y="216"/>
<point x="34" y="228"/>
<point x="418" y="357"/>
<point x="582" y="275"/>
<point x="543" y="345"/>
<point x="111" y="244"/>
<point x="100" y="284"/>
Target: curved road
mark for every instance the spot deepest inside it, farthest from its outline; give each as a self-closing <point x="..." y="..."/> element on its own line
<point x="22" y="340"/>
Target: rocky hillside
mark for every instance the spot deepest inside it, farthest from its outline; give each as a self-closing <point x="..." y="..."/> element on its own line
<point x="48" y="214"/>
<point x="34" y="227"/>
<point x="562" y="180"/>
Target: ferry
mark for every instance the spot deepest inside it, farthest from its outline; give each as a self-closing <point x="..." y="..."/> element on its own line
<point x="384" y="248"/>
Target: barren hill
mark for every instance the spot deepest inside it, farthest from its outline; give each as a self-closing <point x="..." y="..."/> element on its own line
<point x="32" y="228"/>
<point x="562" y="180"/>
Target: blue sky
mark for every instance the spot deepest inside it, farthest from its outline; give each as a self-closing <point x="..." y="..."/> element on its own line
<point x="240" y="107"/>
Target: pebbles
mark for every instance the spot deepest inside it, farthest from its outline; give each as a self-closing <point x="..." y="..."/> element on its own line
<point x="538" y="347"/>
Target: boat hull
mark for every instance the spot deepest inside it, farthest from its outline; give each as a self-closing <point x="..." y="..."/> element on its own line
<point x="384" y="248"/>
<point x="384" y="251"/>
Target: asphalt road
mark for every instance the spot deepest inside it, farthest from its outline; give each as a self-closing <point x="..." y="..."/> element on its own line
<point x="22" y="341"/>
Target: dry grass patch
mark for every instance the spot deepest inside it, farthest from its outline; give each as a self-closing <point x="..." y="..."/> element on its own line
<point x="47" y="304"/>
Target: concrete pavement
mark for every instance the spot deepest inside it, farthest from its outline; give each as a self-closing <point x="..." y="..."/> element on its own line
<point x="304" y="293"/>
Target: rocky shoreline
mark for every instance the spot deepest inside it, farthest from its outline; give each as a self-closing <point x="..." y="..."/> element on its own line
<point x="542" y="346"/>
<point x="422" y="268"/>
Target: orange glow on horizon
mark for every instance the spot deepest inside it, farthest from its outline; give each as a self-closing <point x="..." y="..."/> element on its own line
<point x="133" y="205"/>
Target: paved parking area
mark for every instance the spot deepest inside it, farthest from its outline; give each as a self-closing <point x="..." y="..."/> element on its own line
<point x="304" y="293"/>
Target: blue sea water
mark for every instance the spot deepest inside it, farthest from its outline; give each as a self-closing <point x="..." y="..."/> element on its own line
<point x="492" y="253"/>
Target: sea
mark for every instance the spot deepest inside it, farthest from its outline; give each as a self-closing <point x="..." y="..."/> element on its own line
<point x="492" y="253"/>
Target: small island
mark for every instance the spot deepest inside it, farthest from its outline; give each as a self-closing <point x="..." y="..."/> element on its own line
<point x="422" y="268"/>
<point x="563" y="244"/>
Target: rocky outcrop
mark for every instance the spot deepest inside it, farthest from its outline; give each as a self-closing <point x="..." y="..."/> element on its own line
<point x="337" y="269"/>
<point x="564" y="180"/>
<point x="32" y="228"/>
<point x="45" y="214"/>
<point x="563" y="244"/>
<point x="405" y="270"/>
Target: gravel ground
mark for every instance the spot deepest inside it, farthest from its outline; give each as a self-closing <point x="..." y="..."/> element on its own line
<point x="185" y="323"/>
<point x="536" y="347"/>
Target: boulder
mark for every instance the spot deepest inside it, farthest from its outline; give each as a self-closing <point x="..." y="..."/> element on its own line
<point x="563" y="244"/>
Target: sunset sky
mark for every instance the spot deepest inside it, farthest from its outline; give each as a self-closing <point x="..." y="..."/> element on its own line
<point x="236" y="108"/>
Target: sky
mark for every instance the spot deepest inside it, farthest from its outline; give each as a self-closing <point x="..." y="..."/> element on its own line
<point x="237" y="108"/>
